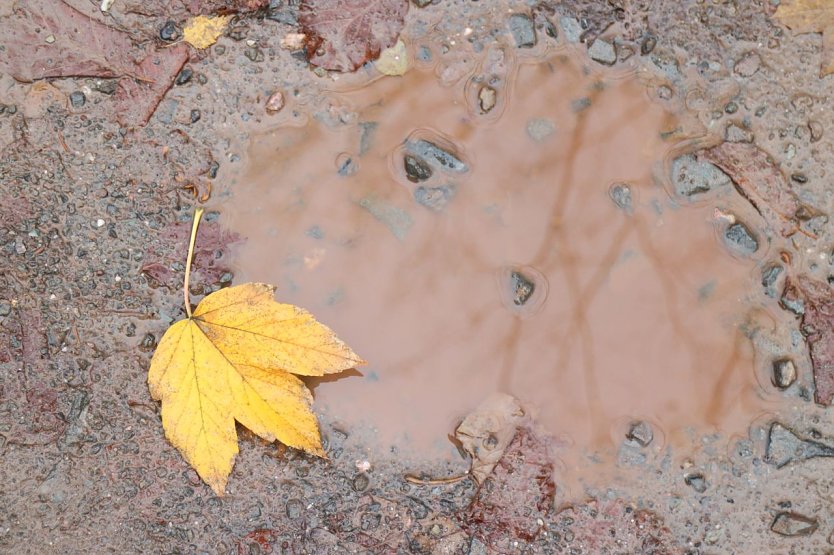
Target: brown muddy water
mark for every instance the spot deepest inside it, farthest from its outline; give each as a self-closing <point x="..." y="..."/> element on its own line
<point x="635" y="312"/>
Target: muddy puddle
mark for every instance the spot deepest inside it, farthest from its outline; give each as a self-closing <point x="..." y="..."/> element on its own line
<point x="469" y="239"/>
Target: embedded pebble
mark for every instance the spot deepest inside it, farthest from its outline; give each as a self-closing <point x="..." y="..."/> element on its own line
<point x="735" y="134"/>
<point x="486" y="99"/>
<point x="620" y="193"/>
<point x="640" y="432"/>
<point x="792" y="524"/>
<point x="603" y="52"/>
<point x="784" y="373"/>
<point x="522" y="288"/>
<point x="748" y="65"/>
<point x="739" y="237"/>
<point x="784" y="446"/>
<point x="416" y="169"/>
<point x="436" y="155"/>
<point x="275" y="102"/>
<point x="571" y="29"/>
<point x="77" y="99"/>
<point x="397" y="220"/>
<point x="522" y="29"/>
<point x="169" y="31"/>
<point x="770" y="275"/>
<point x="691" y="177"/>
<point x="696" y="481"/>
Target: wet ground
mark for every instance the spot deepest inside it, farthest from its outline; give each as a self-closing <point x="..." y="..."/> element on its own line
<point x="540" y="206"/>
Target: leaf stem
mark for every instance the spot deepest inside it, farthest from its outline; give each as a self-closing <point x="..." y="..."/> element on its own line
<point x="198" y="213"/>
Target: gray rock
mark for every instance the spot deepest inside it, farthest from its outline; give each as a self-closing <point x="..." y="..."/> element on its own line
<point x="784" y="446"/>
<point x="603" y="52"/>
<point x="522" y="29"/>
<point x="416" y="169"/>
<point x="784" y="373"/>
<point x="692" y="177"/>
<point x="360" y="482"/>
<point x="770" y="277"/>
<point x="522" y="288"/>
<point x="735" y="134"/>
<point x="640" y="432"/>
<point x="294" y="508"/>
<point x="435" y="198"/>
<point x="367" y="133"/>
<point x="5" y="308"/>
<point x="738" y="237"/>
<point x="620" y="193"/>
<point x="77" y="99"/>
<point x="793" y="524"/>
<point x="748" y="64"/>
<point x="696" y="481"/>
<point x="571" y="29"/>
<point x="437" y="156"/>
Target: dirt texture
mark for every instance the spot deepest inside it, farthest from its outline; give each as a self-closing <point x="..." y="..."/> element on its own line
<point x="103" y="159"/>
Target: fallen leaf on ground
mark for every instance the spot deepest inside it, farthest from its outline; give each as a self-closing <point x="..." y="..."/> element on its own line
<point x="234" y="359"/>
<point x="202" y="31"/>
<point x="393" y="61"/>
<point x="817" y="300"/>
<point x="138" y="98"/>
<point x="758" y="179"/>
<point x="341" y="35"/>
<point x="507" y="509"/>
<point x="487" y="431"/>
<point x="811" y="16"/>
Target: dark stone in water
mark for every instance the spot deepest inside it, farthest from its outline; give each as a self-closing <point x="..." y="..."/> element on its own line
<point x="641" y="433"/>
<point x="620" y="193"/>
<point x="770" y="275"/>
<point x="522" y="29"/>
<point x="521" y="287"/>
<point x="793" y="524"/>
<point x="740" y="238"/>
<point x="437" y="156"/>
<point x="416" y="170"/>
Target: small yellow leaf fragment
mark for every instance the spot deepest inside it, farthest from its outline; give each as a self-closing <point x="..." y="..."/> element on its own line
<point x="393" y="61"/>
<point x="234" y="360"/>
<point x="203" y="31"/>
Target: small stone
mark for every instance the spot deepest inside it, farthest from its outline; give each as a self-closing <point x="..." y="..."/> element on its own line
<point x="522" y="29"/>
<point x="696" y="481"/>
<point x="416" y="169"/>
<point x="421" y="3"/>
<point x="184" y="76"/>
<point x="435" y="198"/>
<point x="254" y="54"/>
<point x="105" y="86"/>
<point x="294" y="509"/>
<point x="692" y="177"/>
<point x="748" y="65"/>
<point x="571" y="29"/>
<point x="437" y="156"/>
<point x="5" y="308"/>
<point x="815" y="128"/>
<point x="77" y="99"/>
<point x="640" y="432"/>
<point x="770" y="275"/>
<point x="784" y="373"/>
<point x="603" y="52"/>
<point x="739" y="238"/>
<point x="647" y="44"/>
<point x="784" y="446"/>
<point x="620" y="193"/>
<point x="169" y="31"/>
<point x="195" y="115"/>
<point x="345" y="166"/>
<point x="521" y="287"/>
<point x="148" y="342"/>
<point x="792" y="524"/>
<point x="50" y="39"/>
<point x="275" y="102"/>
<point x="20" y="247"/>
<point x="360" y="482"/>
<point x="735" y="134"/>
<point x="397" y="220"/>
<point x="539" y="129"/>
<point x="487" y="97"/>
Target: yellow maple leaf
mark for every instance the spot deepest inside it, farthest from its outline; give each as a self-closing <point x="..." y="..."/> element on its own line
<point x="203" y="31"/>
<point x="233" y="359"/>
<point x="811" y="16"/>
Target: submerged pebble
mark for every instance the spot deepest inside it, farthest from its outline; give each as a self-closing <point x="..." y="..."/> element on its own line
<point x="540" y="128"/>
<point x="416" y="169"/>
<point x="521" y="287"/>
<point x="522" y="29"/>
<point x="692" y="177"/>
<point x="435" y="198"/>
<point x="437" y="155"/>
<point x="620" y="193"/>
<point x="739" y="238"/>
<point x="603" y="52"/>
<point x="784" y="373"/>
<point x="640" y="432"/>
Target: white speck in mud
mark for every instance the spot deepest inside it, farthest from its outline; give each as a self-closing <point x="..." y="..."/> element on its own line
<point x="99" y="222"/>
